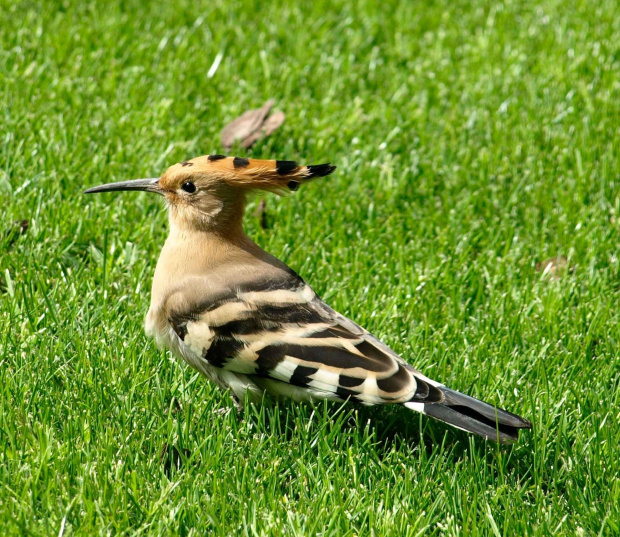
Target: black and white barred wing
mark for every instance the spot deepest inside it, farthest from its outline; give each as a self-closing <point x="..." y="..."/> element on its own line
<point x="283" y="333"/>
<point x="289" y="342"/>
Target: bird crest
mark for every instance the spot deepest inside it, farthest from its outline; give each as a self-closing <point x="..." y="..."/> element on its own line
<point x="274" y="175"/>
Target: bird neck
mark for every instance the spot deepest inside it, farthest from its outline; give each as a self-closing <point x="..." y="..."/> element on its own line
<point x="191" y="254"/>
<point x="196" y="246"/>
<point x="205" y="242"/>
<point x="195" y="259"/>
<point x="219" y="215"/>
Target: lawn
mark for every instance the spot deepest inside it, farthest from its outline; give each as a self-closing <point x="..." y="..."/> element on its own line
<point x="473" y="139"/>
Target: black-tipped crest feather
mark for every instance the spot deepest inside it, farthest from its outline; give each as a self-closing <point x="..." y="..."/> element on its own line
<point x="320" y="170"/>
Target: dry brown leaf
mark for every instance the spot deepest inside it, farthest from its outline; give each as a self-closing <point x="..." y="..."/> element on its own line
<point x="245" y="124"/>
<point x="553" y="267"/>
<point x="268" y="127"/>
<point x="251" y="125"/>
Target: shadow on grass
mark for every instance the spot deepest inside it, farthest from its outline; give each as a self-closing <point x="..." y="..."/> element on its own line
<point x="385" y="428"/>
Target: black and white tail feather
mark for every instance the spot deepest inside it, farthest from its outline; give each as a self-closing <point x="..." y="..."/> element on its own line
<point x="278" y="336"/>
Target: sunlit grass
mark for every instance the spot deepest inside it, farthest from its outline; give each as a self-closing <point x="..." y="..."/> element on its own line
<point x="473" y="140"/>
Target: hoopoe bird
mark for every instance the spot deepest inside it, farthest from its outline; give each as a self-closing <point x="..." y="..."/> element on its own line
<point x="249" y="323"/>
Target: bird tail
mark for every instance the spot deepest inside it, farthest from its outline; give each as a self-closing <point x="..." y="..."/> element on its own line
<point x="469" y="414"/>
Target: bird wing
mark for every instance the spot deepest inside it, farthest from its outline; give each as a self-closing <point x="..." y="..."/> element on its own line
<point x="280" y="330"/>
<point x="279" y="333"/>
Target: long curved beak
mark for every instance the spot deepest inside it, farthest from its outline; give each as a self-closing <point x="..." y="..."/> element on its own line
<point x="147" y="185"/>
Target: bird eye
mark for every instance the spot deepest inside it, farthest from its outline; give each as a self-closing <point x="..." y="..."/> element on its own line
<point x="189" y="187"/>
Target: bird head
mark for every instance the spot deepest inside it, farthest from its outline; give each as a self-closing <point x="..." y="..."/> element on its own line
<point x="209" y="192"/>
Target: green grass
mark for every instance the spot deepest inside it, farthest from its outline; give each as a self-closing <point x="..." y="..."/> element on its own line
<point x="473" y="139"/>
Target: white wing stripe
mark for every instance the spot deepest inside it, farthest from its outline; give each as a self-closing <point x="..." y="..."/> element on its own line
<point x="199" y="337"/>
<point x="230" y="311"/>
<point x="285" y="297"/>
<point x="324" y="379"/>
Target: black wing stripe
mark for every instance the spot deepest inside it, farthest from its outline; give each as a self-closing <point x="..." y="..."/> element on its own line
<point x="280" y="330"/>
<point x="350" y="382"/>
<point x="245" y="327"/>
<point x="246" y="318"/>
<point x="269" y="357"/>
<point x="221" y="350"/>
<point x="427" y="393"/>
<point x="333" y="332"/>
<point x="219" y="299"/>
<point x="258" y="286"/>
<point x="301" y="376"/>
<point x="368" y="349"/>
<point x="263" y="310"/>
<point x="266" y="314"/>
<point x="179" y="326"/>
<point x="374" y="355"/>
<point x="396" y="382"/>
<point x="215" y="301"/>
<point x="297" y="314"/>
<point x="336" y="357"/>
<point x="345" y="394"/>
